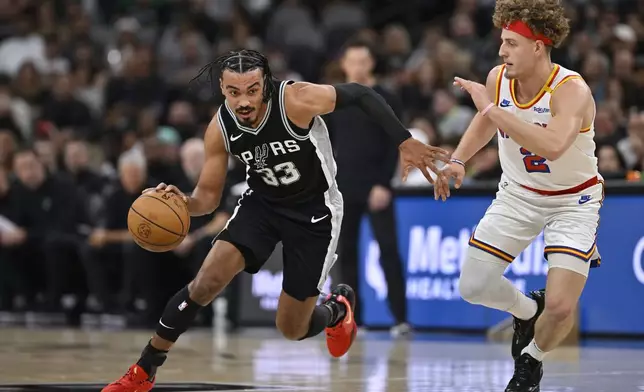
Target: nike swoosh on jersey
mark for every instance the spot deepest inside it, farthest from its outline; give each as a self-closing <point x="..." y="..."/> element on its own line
<point x="235" y="137"/>
<point x="316" y="220"/>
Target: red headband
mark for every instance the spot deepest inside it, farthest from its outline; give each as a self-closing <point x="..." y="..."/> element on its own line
<point x="521" y="28"/>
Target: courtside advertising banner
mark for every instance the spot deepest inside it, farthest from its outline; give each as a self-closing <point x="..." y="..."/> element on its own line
<point x="433" y="239"/>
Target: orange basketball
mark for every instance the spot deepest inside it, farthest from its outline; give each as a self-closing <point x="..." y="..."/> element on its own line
<point x="158" y="221"/>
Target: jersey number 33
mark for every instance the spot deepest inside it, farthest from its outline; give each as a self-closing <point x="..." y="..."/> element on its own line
<point x="284" y="173"/>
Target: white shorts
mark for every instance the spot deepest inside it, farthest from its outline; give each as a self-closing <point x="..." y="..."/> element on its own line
<point x="517" y="216"/>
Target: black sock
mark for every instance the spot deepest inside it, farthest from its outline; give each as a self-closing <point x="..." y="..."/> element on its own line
<point x="326" y="315"/>
<point x="151" y="359"/>
<point x="177" y="316"/>
<point x="339" y="311"/>
<point x="320" y="319"/>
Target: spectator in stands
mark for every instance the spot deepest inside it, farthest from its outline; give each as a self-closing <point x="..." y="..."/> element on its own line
<point x="63" y="109"/>
<point x="8" y="145"/>
<point x="10" y="236"/>
<point x="611" y="164"/>
<point x="182" y="117"/>
<point x="632" y="146"/>
<point x="24" y="45"/>
<point x="49" y="212"/>
<point x="90" y="183"/>
<point x="111" y="261"/>
<point x="453" y="119"/>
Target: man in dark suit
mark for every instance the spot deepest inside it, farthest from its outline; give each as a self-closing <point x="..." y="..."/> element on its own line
<point x="367" y="162"/>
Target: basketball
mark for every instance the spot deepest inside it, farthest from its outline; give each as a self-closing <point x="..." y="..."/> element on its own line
<point x="158" y="221"/>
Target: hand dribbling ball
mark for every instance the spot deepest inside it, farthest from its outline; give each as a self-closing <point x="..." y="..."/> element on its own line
<point x="158" y="221"/>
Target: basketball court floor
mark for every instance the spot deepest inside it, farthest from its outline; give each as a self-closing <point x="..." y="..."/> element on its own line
<point x="259" y="360"/>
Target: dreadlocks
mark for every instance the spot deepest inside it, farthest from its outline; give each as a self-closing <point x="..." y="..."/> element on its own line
<point x="240" y="61"/>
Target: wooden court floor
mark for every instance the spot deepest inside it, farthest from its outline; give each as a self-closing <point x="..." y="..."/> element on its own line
<point x="259" y="360"/>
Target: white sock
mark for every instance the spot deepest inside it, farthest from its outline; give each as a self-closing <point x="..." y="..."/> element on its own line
<point x="524" y="307"/>
<point x="534" y="351"/>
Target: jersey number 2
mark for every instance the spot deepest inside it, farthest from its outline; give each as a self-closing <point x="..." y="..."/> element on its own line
<point x="534" y="163"/>
<point x="291" y="174"/>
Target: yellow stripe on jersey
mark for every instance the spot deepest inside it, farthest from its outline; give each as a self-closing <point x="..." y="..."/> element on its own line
<point x="564" y="80"/>
<point x="499" y="79"/>
<point x="546" y="88"/>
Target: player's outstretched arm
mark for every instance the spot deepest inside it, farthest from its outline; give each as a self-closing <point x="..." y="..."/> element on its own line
<point x="307" y="100"/>
<point x="477" y="135"/>
<point x="568" y="105"/>
<point x="207" y="194"/>
<point x="481" y="130"/>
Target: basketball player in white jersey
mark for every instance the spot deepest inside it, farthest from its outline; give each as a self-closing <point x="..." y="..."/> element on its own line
<point x="543" y="115"/>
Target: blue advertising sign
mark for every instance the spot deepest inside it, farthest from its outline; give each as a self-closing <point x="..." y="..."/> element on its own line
<point x="433" y="239"/>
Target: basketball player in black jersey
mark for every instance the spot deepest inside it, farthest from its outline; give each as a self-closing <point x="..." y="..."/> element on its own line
<point x="276" y="130"/>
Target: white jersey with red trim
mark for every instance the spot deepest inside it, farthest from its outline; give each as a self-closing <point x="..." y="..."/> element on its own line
<point x="576" y="166"/>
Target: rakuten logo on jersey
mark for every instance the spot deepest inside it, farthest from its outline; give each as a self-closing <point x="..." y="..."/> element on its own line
<point x="434" y="263"/>
<point x="638" y="259"/>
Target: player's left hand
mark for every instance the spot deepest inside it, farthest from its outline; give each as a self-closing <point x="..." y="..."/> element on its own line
<point x="477" y="91"/>
<point x="414" y="153"/>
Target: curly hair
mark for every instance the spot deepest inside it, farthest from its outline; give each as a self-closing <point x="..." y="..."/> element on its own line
<point x="545" y="17"/>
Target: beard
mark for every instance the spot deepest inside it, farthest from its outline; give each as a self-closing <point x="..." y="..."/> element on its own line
<point x="248" y="116"/>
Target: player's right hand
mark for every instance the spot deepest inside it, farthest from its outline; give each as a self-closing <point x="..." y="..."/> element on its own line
<point x="453" y="170"/>
<point x="414" y="153"/>
<point x="167" y="188"/>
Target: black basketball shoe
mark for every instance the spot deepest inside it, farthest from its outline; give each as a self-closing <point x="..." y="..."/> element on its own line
<point x="524" y="329"/>
<point x="527" y="375"/>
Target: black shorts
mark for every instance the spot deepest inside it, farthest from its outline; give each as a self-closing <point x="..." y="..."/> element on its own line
<point x="308" y="231"/>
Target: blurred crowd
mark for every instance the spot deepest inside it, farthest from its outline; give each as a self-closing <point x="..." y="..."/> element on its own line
<point x="98" y="102"/>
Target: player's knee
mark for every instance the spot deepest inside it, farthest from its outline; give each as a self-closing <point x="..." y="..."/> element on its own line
<point x="477" y="276"/>
<point x="471" y="285"/>
<point x="289" y="329"/>
<point x="205" y="287"/>
<point x="470" y="288"/>
<point x="559" y="308"/>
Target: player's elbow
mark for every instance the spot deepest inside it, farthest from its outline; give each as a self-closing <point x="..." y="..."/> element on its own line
<point x="553" y="154"/>
<point x="556" y="151"/>
<point x="210" y="206"/>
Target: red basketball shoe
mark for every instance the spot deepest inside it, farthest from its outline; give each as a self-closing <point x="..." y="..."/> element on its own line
<point x="135" y="380"/>
<point x="340" y="336"/>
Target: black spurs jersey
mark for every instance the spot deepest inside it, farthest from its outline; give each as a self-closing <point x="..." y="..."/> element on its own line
<point x="284" y="163"/>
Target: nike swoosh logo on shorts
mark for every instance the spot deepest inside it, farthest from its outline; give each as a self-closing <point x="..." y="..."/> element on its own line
<point x="233" y="137"/>
<point x="316" y="220"/>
